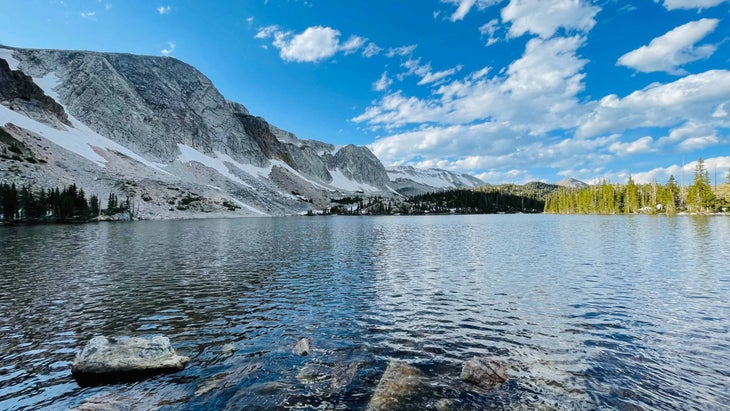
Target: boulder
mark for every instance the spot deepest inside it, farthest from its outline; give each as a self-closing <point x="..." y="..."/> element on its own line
<point x="400" y="383"/>
<point x="113" y="359"/>
<point x="302" y="347"/>
<point x="483" y="372"/>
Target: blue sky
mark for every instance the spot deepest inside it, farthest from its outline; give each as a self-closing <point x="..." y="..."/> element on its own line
<point x="510" y="91"/>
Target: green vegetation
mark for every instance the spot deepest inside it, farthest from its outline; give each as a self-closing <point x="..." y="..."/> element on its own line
<point x="53" y="205"/>
<point x="632" y="198"/>
<point x="508" y="198"/>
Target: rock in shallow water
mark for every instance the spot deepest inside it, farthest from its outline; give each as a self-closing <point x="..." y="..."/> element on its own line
<point x="398" y="384"/>
<point x="302" y="347"/>
<point x="483" y="372"/>
<point x="114" y="359"/>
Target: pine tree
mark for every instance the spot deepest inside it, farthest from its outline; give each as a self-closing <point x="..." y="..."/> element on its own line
<point x="631" y="198"/>
<point x="700" y="196"/>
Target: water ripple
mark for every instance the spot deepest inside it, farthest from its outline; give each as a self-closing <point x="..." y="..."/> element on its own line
<point x="586" y="312"/>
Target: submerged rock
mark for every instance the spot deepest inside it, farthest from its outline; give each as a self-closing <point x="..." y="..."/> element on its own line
<point x="113" y="359"/>
<point x="314" y="373"/>
<point x="483" y="372"/>
<point x="302" y="347"/>
<point x="398" y="384"/>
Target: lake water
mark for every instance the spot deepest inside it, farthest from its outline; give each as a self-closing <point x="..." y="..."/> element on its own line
<point x="585" y="312"/>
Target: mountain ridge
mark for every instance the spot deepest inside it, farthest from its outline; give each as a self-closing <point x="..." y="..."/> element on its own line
<point x="157" y="122"/>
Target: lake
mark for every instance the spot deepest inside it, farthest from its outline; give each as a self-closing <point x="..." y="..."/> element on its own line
<point x="585" y="312"/>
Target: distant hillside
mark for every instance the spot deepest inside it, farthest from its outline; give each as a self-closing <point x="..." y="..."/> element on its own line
<point x="571" y="183"/>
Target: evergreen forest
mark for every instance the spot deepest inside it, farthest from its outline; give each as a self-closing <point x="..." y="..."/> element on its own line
<point x="633" y="198"/>
<point x="65" y="205"/>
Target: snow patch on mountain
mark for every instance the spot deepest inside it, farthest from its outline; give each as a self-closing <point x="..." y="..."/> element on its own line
<point x="48" y="84"/>
<point x="80" y="139"/>
<point x="433" y="177"/>
<point x="340" y="181"/>
<point x="7" y="55"/>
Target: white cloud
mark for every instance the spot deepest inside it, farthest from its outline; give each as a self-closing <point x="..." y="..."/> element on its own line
<point x="694" y="98"/>
<point x="673" y="49"/>
<point x="89" y="15"/>
<point x="640" y="146"/>
<point x="464" y="6"/>
<point x="164" y="9"/>
<point x="425" y="72"/>
<point x="371" y="50"/>
<point x="690" y="136"/>
<point x="353" y="44"/>
<point x="108" y="6"/>
<point x="489" y="29"/>
<point x="436" y="77"/>
<point x="510" y="176"/>
<point x="383" y="82"/>
<point x="401" y="51"/>
<point x="170" y="48"/>
<point x="267" y="32"/>
<point x="249" y="20"/>
<point x="691" y="4"/>
<point x="545" y="17"/>
<point x="314" y="44"/>
<point x="538" y="90"/>
<point x="662" y="173"/>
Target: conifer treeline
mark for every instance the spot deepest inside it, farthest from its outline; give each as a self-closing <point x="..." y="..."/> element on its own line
<point x="53" y="205"/>
<point x="482" y="201"/>
<point x="631" y="198"/>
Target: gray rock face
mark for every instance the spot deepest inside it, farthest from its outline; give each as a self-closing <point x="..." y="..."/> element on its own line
<point x="125" y="358"/>
<point x="399" y="383"/>
<point x="146" y="103"/>
<point x="361" y="165"/>
<point x="483" y="372"/>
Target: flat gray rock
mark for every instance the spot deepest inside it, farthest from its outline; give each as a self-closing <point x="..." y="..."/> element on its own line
<point x="113" y="359"/>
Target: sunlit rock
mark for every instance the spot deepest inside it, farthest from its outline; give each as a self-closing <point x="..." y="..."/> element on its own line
<point x="302" y="347"/>
<point x="112" y="359"/>
<point x="399" y="383"/>
<point x="483" y="372"/>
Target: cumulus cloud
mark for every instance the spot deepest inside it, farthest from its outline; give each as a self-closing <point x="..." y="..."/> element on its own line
<point x="694" y="98"/>
<point x="545" y="17"/>
<point x="170" y="48"/>
<point x="314" y="44"/>
<point x="164" y="9"/>
<point x="464" y="6"/>
<point x="691" y="4"/>
<point x="88" y="15"/>
<point x="537" y="90"/>
<point x="691" y="136"/>
<point x="639" y="146"/>
<point x="383" y="82"/>
<point x="673" y="49"/>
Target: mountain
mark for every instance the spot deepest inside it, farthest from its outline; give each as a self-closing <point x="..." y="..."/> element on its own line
<point x="411" y="181"/>
<point x="156" y="130"/>
<point x="571" y="183"/>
